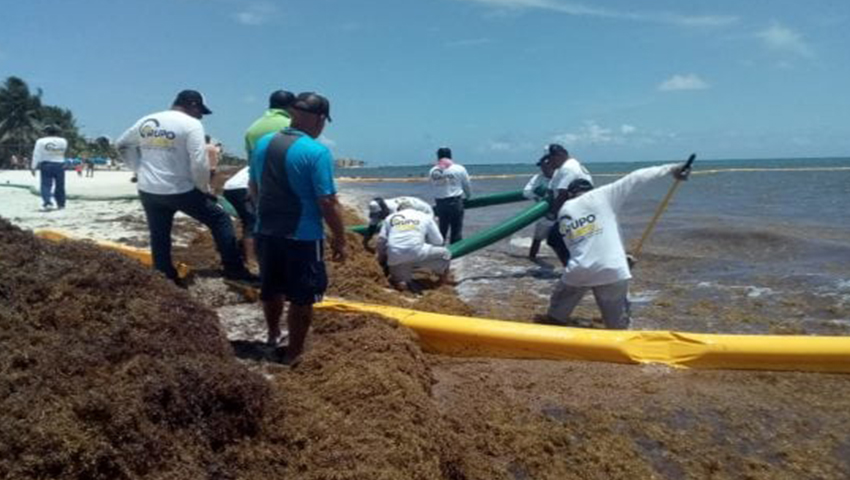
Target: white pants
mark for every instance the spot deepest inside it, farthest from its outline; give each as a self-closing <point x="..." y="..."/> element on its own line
<point x="434" y="259"/>
<point x="612" y="300"/>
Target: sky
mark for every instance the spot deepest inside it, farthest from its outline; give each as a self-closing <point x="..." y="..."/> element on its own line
<point x="612" y="80"/>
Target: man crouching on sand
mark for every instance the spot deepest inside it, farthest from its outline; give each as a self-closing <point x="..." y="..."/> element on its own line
<point x="410" y="240"/>
<point x="597" y="261"/>
<point x="291" y="178"/>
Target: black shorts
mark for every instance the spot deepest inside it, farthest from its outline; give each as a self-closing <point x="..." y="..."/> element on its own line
<point x="293" y="268"/>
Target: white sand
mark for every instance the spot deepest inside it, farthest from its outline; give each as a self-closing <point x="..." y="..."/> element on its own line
<point x="115" y="220"/>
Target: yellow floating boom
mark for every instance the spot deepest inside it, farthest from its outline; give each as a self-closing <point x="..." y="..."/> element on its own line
<point x="141" y="254"/>
<point x="466" y="336"/>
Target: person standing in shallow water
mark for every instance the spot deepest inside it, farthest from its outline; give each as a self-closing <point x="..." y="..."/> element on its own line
<point x="167" y="152"/>
<point x="291" y="178"/>
<point x="590" y="229"/>
<point x="450" y="183"/>
<point x="48" y="157"/>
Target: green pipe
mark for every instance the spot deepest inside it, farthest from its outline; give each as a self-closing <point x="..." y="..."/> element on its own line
<point x="500" y="231"/>
<point x="361" y="229"/>
<point x="493" y="199"/>
<point x="227" y="206"/>
<point x="476" y="202"/>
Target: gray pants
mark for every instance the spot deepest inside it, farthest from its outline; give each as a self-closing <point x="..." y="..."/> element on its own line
<point x="612" y="300"/>
<point x="436" y="260"/>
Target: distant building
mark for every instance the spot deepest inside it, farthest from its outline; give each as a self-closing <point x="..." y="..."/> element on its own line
<point x="349" y="163"/>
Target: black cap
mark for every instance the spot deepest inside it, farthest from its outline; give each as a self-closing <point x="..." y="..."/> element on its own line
<point x="578" y="186"/>
<point x="543" y="159"/>
<point x="52" y="130"/>
<point x="191" y="98"/>
<point x="314" y="103"/>
<point x="281" y="99"/>
<point x="444" y="152"/>
<point x="556" y="149"/>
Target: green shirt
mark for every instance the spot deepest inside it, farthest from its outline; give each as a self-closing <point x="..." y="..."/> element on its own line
<point x="273" y="120"/>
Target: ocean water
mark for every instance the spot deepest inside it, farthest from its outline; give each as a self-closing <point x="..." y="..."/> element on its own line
<point x="769" y="239"/>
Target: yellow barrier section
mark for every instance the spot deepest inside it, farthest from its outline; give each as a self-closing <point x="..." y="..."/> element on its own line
<point x="465" y="336"/>
<point x="140" y="254"/>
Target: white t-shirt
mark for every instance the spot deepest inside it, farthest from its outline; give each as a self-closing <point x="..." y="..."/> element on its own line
<point x="167" y="151"/>
<point x="237" y="181"/>
<point x="536" y="181"/>
<point x="591" y="231"/>
<point x="451" y="182"/>
<point x="408" y="235"/>
<point x="393" y="205"/>
<point x="569" y="171"/>
<point x="49" y="149"/>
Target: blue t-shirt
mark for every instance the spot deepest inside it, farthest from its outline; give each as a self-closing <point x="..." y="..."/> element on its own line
<point x="291" y="171"/>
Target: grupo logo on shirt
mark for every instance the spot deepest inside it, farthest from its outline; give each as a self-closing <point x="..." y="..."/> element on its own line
<point x="399" y="222"/>
<point x="579" y="227"/>
<point x="440" y="176"/>
<point x="54" y="147"/>
<point x="153" y="135"/>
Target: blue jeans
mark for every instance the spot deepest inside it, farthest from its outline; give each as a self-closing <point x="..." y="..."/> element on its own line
<point x="160" y="210"/>
<point x="52" y="173"/>
<point x="450" y="215"/>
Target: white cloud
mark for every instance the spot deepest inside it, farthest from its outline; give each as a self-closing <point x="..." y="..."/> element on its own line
<point x="784" y="40"/>
<point x="690" y="81"/>
<point x="255" y="14"/>
<point x="505" y="146"/>
<point x="578" y="9"/>
<point x="592" y="133"/>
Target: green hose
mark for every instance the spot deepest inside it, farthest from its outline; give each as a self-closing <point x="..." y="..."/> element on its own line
<point x="227" y="206"/>
<point x="476" y="202"/>
<point x="493" y="199"/>
<point x="500" y="231"/>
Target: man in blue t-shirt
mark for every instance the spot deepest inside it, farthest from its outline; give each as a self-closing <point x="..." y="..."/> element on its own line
<point x="291" y="180"/>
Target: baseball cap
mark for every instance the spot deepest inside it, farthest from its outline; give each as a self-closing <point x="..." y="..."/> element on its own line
<point x="312" y="102"/>
<point x="543" y="159"/>
<point x="52" y="129"/>
<point x="189" y="98"/>
<point x="281" y="99"/>
<point x="556" y="149"/>
<point x="444" y="152"/>
<point x="578" y="186"/>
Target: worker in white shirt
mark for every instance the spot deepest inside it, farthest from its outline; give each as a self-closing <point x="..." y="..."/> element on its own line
<point x="589" y="226"/>
<point x="450" y="183"/>
<point x="167" y="151"/>
<point x="380" y="208"/>
<point x="411" y="240"/>
<point x="565" y="169"/>
<point x="48" y="157"/>
<point x="535" y="190"/>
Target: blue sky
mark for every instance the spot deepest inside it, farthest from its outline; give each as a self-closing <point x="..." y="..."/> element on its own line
<point x="614" y="80"/>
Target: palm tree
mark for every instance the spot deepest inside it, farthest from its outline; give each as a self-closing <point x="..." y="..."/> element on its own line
<point x="19" y="116"/>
